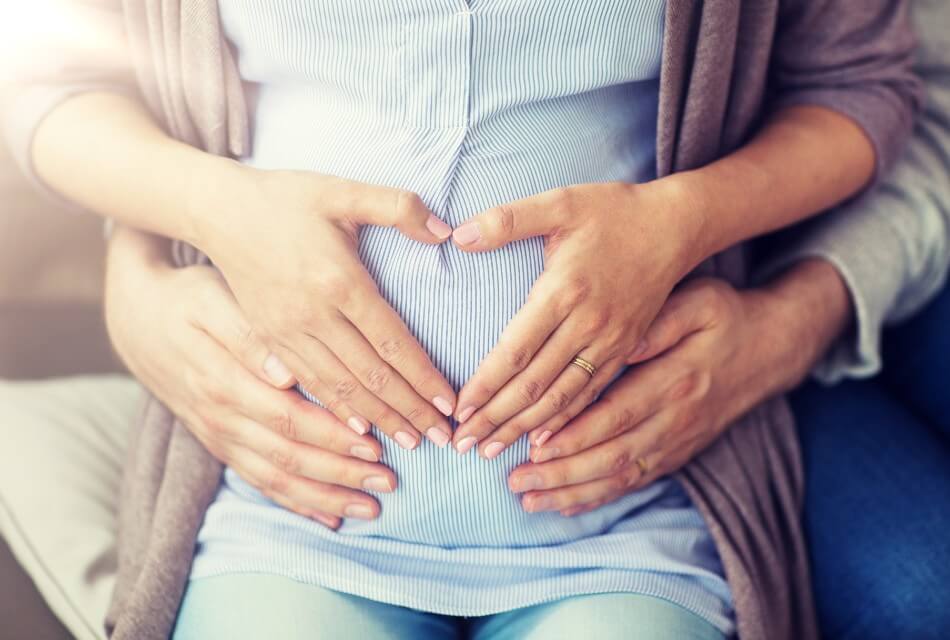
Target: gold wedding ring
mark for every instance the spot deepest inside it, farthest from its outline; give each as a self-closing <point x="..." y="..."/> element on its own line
<point x="586" y="365"/>
<point x="642" y="463"/>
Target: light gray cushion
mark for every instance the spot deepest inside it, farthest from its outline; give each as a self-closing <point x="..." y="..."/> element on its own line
<point x="62" y="444"/>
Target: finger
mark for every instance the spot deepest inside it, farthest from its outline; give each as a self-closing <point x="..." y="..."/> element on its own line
<point x="362" y="204"/>
<point x="294" y="418"/>
<point x="320" y="394"/>
<point x="527" y="332"/>
<point x="636" y="397"/>
<point x="588" y="493"/>
<point x="388" y="334"/>
<point x="603" y="461"/>
<point x="314" y="463"/>
<point x="275" y="483"/>
<point x="679" y="317"/>
<point x="538" y="215"/>
<point x="326" y="371"/>
<point x="564" y="391"/>
<point x="224" y="321"/>
<point x="522" y="391"/>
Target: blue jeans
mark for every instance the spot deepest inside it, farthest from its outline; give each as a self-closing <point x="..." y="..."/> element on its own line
<point x="877" y="509"/>
<point x="255" y="606"/>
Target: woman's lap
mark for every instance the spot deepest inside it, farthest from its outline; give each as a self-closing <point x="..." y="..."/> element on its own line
<point x="877" y="512"/>
<point x="255" y="606"/>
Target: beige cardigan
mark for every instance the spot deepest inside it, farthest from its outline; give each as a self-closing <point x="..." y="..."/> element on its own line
<point x="725" y="63"/>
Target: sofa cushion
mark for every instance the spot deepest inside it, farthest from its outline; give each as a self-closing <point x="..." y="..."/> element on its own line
<point x="62" y="445"/>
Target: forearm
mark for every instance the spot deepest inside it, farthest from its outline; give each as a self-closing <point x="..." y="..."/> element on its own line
<point x="104" y="152"/>
<point x="803" y="161"/>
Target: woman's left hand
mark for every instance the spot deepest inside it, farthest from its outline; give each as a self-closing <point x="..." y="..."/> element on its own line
<point x="613" y="253"/>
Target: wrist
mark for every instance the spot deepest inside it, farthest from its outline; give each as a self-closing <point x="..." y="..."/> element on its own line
<point x="214" y="197"/>
<point x="682" y="204"/>
<point x="808" y="307"/>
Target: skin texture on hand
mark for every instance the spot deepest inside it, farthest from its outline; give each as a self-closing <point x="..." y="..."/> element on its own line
<point x="614" y="252"/>
<point x="184" y="337"/>
<point x="711" y="355"/>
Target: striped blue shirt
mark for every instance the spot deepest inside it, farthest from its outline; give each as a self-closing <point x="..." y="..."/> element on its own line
<point x="469" y="105"/>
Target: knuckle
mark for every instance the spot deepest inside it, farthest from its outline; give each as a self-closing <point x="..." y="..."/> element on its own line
<point x="619" y="461"/>
<point x="617" y="484"/>
<point x="392" y="350"/>
<point x="415" y="414"/>
<point x="285" y="424"/>
<point x="277" y="482"/>
<point x="558" y="400"/>
<point x="506" y="219"/>
<point x="529" y="391"/>
<point x="284" y="459"/>
<point x="334" y="285"/>
<point x="406" y="203"/>
<point x="563" y="198"/>
<point x="516" y="356"/>
<point x="695" y="384"/>
<point x="576" y="290"/>
<point x="624" y="420"/>
<point x="377" y="378"/>
<point x="346" y="387"/>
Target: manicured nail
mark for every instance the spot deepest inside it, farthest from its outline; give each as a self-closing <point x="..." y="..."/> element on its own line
<point x="405" y="440"/>
<point x="543" y="455"/>
<point x="539" y="503"/>
<point x="541" y="439"/>
<point x="528" y="482"/>
<point x="493" y="449"/>
<point x="567" y="513"/>
<point x="377" y="483"/>
<point x="443" y="405"/>
<point x="276" y="370"/>
<point x="357" y="424"/>
<point x="328" y="521"/>
<point x="438" y="228"/>
<point x="439" y="437"/>
<point x="465" y="444"/>
<point x="364" y="453"/>
<point x="465" y="414"/>
<point x="358" y="511"/>
<point x="468" y="233"/>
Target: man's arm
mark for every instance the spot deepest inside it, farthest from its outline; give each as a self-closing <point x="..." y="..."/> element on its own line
<point x="892" y="246"/>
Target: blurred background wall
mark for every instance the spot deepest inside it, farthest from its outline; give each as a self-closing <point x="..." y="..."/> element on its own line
<point x="51" y="265"/>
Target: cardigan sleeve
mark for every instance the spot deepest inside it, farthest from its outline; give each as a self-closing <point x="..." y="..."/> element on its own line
<point x="82" y="50"/>
<point x="892" y="245"/>
<point x="854" y="57"/>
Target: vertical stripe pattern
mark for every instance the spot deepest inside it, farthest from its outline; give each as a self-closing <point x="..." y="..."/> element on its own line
<point x="468" y="104"/>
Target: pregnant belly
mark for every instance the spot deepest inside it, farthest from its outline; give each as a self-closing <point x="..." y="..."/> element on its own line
<point x="457" y="305"/>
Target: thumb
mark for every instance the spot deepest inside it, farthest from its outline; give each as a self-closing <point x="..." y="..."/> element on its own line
<point x="538" y="215"/>
<point x="680" y="316"/>
<point x="387" y="207"/>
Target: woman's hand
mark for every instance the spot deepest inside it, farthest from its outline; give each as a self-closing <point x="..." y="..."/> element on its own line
<point x="286" y="242"/>
<point x="183" y="336"/>
<point x="601" y="240"/>
<point x="711" y="355"/>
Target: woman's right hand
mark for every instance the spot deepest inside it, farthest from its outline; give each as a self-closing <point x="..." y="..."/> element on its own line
<point x="286" y="242"/>
<point x="182" y="334"/>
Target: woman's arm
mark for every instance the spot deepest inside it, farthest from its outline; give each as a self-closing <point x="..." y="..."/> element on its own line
<point x="285" y="241"/>
<point x="183" y="336"/>
<point x="641" y="240"/>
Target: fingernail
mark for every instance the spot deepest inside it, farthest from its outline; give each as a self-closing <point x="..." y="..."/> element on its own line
<point x="465" y="444"/>
<point x="357" y="424"/>
<point x="567" y="513"/>
<point x="439" y="437"/>
<point x="539" y="503"/>
<point x="276" y="370"/>
<point x="328" y="521"/>
<point x="492" y="450"/>
<point x="541" y="439"/>
<point x="543" y="455"/>
<point x="465" y="414"/>
<point x="443" y="405"/>
<point x="377" y="483"/>
<point x="438" y="228"/>
<point x="358" y="511"/>
<point x="405" y="440"/>
<point x="528" y="482"/>
<point x="364" y="453"/>
<point x="468" y="233"/>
